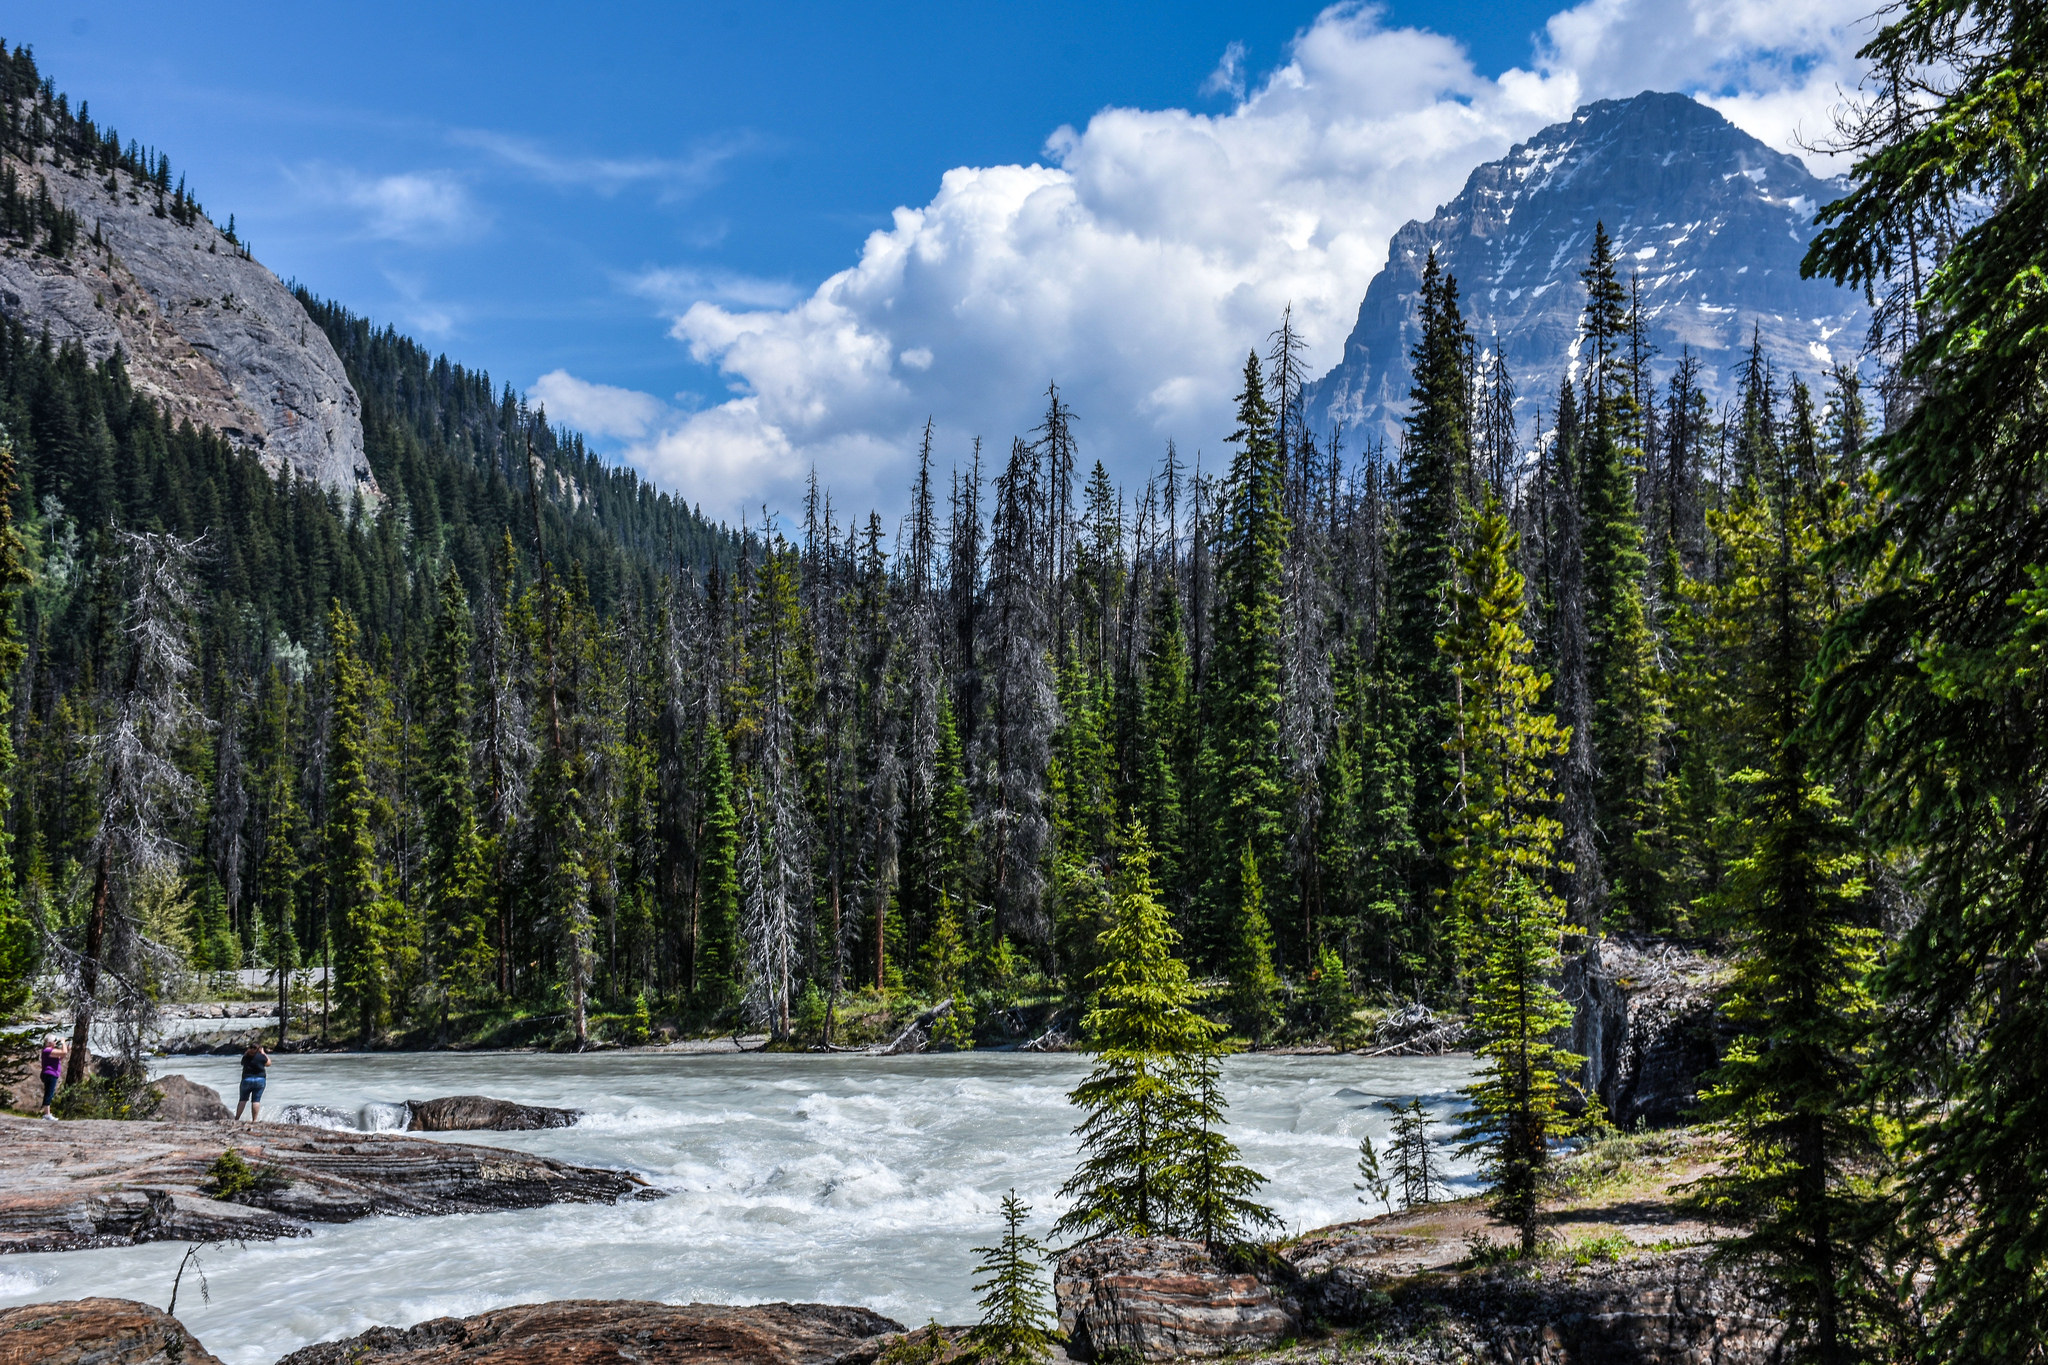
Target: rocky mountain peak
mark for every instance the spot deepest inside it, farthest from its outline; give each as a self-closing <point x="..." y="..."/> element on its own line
<point x="1711" y="223"/>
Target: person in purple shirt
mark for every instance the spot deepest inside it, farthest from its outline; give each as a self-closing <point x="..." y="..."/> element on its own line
<point x="53" y="1071"/>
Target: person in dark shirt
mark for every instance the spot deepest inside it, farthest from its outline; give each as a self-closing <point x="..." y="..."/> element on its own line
<point x="255" y="1070"/>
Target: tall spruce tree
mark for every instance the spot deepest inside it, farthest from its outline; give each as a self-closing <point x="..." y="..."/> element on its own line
<point x="454" y="867"/>
<point x="1142" y="1027"/>
<point x="1241" y="777"/>
<point x="358" y="908"/>
<point x="20" y="951"/>
<point x="1938" y="672"/>
<point x="1791" y="1094"/>
<point x="1628" y="707"/>
<point x="1502" y="849"/>
<point x="1431" y="510"/>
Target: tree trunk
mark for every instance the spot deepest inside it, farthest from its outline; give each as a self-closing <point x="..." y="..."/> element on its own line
<point x="89" y="971"/>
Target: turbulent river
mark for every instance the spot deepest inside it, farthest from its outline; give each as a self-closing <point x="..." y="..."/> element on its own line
<point x="828" y="1179"/>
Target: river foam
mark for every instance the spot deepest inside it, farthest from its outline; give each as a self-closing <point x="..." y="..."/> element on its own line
<point x="829" y="1179"/>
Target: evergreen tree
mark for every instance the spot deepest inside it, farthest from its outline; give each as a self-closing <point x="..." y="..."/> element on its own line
<point x="1628" y="709"/>
<point x="1417" y="1169"/>
<point x="20" y="952"/>
<point x="1503" y="843"/>
<point x="714" y="933"/>
<point x="360" y="912"/>
<point x="1240" y="762"/>
<point x="1938" y="672"/>
<point x="1790" y="1094"/>
<point x="1430" y="508"/>
<point x="454" y="871"/>
<point x="1254" y="985"/>
<point x="1016" y="1325"/>
<point x="1142" y="1027"/>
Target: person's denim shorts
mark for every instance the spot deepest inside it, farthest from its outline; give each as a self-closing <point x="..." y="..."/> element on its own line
<point x="252" y="1088"/>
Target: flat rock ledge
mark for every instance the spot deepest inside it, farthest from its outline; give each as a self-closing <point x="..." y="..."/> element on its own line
<point x="96" y="1332"/>
<point x="603" y="1331"/>
<point x="96" y="1183"/>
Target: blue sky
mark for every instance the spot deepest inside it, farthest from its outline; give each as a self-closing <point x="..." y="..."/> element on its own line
<point x="631" y="209"/>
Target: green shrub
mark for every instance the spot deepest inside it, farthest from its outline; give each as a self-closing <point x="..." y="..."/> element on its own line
<point x="230" y="1177"/>
<point x="108" y="1097"/>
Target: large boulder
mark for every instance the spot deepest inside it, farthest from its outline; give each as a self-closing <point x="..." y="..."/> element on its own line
<point x="1646" y="1021"/>
<point x="96" y="1332"/>
<point x="463" y="1113"/>
<point x="1162" y="1298"/>
<point x="602" y="1332"/>
<point x="187" y="1101"/>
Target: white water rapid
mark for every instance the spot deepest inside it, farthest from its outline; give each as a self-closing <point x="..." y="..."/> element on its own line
<point x="828" y="1179"/>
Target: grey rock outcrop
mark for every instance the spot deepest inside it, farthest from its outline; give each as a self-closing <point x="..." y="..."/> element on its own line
<point x="1645" y="1020"/>
<point x="1712" y="221"/>
<point x="209" y="333"/>
<point x="605" y="1330"/>
<point x="97" y="1332"/>
<point x="1163" y="1299"/>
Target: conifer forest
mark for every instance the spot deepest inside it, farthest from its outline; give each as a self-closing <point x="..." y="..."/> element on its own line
<point x="526" y="750"/>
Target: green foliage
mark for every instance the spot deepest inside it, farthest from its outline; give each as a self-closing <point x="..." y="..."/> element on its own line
<point x="123" y="1095"/>
<point x="1016" y="1326"/>
<point x="716" y="962"/>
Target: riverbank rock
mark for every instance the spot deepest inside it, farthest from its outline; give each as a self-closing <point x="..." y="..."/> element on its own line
<point x="461" y="1113"/>
<point x="1646" y="1021"/>
<point x="599" y="1332"/>
<point x="94" y="1183"/>
<point x="96" y="1332"/>
<point x="1671" y="1308"/>
<point x="187" y="1101"/>
<point x="1161" y="1299"/>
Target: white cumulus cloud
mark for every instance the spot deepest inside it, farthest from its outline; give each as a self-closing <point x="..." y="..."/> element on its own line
<point x="1137" y="264"/>
<point x="597" y="409"/>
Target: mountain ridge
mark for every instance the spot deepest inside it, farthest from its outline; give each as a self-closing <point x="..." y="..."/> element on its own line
<point x="1712" y="222"/>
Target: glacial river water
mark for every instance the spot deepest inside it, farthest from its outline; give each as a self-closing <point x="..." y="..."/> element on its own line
<point x="832" y="1179"/>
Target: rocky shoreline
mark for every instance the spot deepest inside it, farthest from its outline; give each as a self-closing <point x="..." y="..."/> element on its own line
<point x="99" y="1183"/>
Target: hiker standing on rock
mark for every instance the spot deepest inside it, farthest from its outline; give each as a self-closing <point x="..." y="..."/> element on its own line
<point x="53" y="1072"/>
<point x="255" y="1071"/>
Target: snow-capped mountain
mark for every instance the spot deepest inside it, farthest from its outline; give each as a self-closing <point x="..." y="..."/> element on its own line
<point x="1711" y="222"/>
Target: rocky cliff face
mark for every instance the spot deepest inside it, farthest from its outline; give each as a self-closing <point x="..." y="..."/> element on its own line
<point x="1712" y="223"/>
<point x="208" y="332"/>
